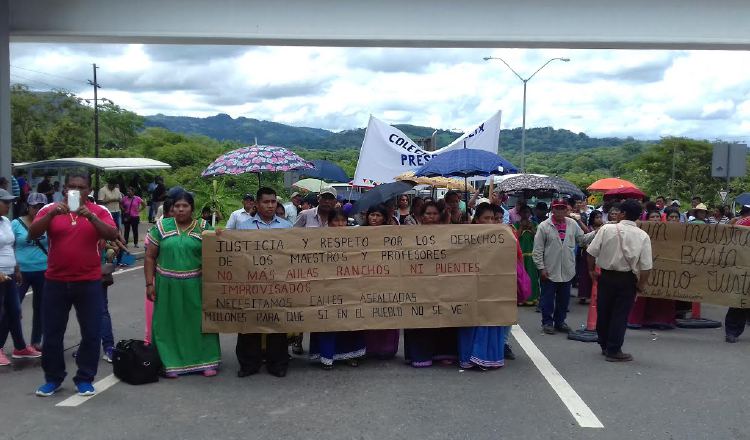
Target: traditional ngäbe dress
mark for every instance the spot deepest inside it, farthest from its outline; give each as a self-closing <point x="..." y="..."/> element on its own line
<point x="328" y="347"/>
<point x="526" y="241"/>
<point x="423" y="346"/>
<point x="176" y="326"/>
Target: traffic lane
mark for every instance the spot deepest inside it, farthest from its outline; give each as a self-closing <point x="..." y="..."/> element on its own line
<point x="26" y="375"/>
<point x="680" y="384"/>
<point x="377" y="400"/>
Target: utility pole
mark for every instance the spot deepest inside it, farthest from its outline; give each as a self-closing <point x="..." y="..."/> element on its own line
<point x="96" y="129"/>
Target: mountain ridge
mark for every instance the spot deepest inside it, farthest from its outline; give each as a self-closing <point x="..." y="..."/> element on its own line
<point x="246" y="130"/>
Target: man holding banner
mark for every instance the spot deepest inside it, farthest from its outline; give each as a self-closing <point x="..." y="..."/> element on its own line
<point x="623" y="252"/>
<point x="249" y="350"/>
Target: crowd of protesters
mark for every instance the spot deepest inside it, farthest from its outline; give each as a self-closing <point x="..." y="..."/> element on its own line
<point x="566" y="243"/>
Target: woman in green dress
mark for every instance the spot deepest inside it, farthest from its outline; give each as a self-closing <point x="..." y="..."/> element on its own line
<point x="526" y="229"/>
<point x="173" y="261"/>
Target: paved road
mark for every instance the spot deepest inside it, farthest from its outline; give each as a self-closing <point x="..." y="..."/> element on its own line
<point x="685" y="384"/>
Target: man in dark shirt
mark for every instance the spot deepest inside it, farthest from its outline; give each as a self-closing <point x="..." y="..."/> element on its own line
<point x="45" y="187"/>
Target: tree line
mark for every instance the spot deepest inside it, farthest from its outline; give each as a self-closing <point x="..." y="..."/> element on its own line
<point x="58" y="124"/>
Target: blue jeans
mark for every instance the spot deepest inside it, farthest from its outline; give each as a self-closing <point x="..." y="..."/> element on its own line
<point x="11" y="320"/>
<point x="35" y="280"/>
<point x="59" y="297"/>
<point x="554" y="301"/>
<point x="116" y="218"/>
<point x="108" y="338"/>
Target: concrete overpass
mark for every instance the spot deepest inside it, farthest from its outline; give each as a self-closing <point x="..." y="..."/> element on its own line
<point x="631" y="24"/>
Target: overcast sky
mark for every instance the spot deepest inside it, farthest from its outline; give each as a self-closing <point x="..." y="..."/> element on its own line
<point x="644" y="94"/>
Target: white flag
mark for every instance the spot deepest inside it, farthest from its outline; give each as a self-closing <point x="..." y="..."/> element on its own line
<point x="486" y="136"/>
<point x="386" y="152"/>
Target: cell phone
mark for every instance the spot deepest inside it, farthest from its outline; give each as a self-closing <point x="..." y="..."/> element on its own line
<point x="74" y="200"/>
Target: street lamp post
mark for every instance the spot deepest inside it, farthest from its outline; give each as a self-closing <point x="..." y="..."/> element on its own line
<point x="523" y="127"/>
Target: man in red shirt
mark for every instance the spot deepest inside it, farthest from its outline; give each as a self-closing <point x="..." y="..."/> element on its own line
<point x="73" y="279"/>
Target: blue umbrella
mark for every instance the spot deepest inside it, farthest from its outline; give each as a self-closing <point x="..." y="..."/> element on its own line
<point x="466" y="162"/>
<point x="743" y="199"/>
<point x="326" y="170"/>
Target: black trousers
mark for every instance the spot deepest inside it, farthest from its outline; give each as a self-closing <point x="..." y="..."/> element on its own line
<point x="250" y="355"/>
<point x="615" y="298"/>
<point x="734" y="323"/>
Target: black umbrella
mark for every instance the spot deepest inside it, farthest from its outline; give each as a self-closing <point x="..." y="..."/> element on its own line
<point x="381" y="194"/>
<point x="565" y="187"/>
<point x="526" y="182"/>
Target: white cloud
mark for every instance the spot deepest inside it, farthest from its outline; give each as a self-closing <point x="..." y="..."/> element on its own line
<point x="645" y="94"/>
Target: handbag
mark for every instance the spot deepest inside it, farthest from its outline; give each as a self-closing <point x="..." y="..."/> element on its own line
<point x="107" y="270"/>
<point x="126" y="218"/>
<point x="523" y="282"/>
<point x="136" y="362"/>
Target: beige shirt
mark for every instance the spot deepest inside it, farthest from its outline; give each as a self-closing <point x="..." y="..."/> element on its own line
<point x="111" y="198"/>
<point x="633" y="255"/>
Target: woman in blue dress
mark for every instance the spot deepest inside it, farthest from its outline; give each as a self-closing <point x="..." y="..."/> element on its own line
<point x="482" y="347"/>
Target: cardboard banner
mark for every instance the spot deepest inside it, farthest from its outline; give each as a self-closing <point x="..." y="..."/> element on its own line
<point x="330" y="279"/>
<point x="700" y="263"/>
<point x="387" y="152"/>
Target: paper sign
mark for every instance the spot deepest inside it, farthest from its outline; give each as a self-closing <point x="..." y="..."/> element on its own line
<point x="331" y="279"/>
<point x="700" y="263"/>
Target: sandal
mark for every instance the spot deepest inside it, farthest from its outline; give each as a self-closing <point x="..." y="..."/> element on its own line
<point x="210" y="373"/>
<point x="353" y="363"/>
<point x="327" y="367"/>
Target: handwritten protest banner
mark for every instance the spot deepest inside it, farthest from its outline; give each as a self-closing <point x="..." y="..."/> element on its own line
<point x="331" y="279"/>
<point x="700" y="263"/>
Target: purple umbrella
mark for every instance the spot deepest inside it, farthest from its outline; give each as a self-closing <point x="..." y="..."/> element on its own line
<point x="256" y="159"/>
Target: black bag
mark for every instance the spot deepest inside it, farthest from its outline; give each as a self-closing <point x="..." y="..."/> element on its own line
<point x="135" y="362"/>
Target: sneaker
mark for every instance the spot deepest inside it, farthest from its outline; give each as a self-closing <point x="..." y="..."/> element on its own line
<point x="26" y="353"/>
<point x="508" y="353"/>
<point x="548" y="329"/>
<point x="563" y="328"/>
<point x="108" y="354"/>
<point x="619" y="357"/>
<point x="730" y="339"/>
<point x="4" y="361"/>
<point x="85" y="389"/>
<point x="48" y="389"/>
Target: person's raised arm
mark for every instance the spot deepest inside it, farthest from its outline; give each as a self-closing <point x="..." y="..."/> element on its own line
<point x="105" y="230"/>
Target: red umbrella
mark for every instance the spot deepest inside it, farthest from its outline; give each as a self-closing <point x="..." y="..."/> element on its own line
<point x="625" y="193"/>
<point x="609" y="184"/>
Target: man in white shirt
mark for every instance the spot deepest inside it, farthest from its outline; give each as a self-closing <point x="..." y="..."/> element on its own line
<point x="244" y="214"/>
<point x="110" y="196"/>
<point x="623" y="252"/>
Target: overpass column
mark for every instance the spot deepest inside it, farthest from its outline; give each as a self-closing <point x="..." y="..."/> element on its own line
<point x="5" y="151"/>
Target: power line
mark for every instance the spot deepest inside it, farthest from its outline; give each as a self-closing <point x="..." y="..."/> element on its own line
<point x="50" y="74"/>
<point x="37" y="81"/>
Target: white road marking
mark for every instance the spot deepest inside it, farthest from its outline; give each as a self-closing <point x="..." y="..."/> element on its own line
<point x="577" y="407"/>
<point x="100" y="386"/>
<point x="31" y="291"/>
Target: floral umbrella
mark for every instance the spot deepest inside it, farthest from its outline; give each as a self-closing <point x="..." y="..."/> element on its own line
<point x="311" y="185"/>
<point x="256" y="159"/>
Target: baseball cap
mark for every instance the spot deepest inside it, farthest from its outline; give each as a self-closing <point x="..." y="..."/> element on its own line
<point x="330" y="191"/>
<point x="701" y="207"/>
<point x="295" y="194"/>
<point x="675" y="202"/>
<point x="5" y="195"/>
<point x="248" y="196"/>
<point x="559" y="203"/>
<point x="36" y="198"/>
